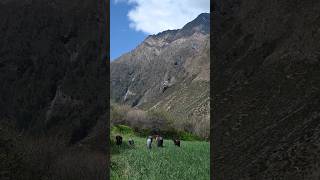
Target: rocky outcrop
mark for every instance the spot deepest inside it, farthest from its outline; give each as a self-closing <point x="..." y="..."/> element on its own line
<point x="266" y="90"/>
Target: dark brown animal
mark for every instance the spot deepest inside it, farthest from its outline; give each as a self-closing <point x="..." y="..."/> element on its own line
<point x="118" y="140"/>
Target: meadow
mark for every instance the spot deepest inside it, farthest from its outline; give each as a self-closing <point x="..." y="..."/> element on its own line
<point x="190" y="161"/>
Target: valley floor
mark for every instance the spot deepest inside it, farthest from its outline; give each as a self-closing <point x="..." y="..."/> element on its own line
<point x="190" y="161"/>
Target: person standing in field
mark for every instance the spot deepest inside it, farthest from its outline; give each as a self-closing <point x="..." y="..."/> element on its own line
<point x="157" y="138"/>
<point x="131" y="142"/>
<point x="118" y="140"/>
<point x="160" y="141"/>
<point x="176" y="142"/>
<point x="149" y="142"/>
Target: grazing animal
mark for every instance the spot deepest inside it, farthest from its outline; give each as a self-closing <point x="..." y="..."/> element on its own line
<point x="149" y="142"/>
<point x="131" y="142"/>
<point x="176" y="142"/>
<point x="118" y="140"/>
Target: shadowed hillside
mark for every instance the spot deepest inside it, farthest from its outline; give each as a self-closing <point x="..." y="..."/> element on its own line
<point x="266" y="90"/>
<point x="53" y="88"/>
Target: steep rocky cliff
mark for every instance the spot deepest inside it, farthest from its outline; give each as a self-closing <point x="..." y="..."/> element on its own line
<point x="169" y="70"/>
<point x="266" y="116"/>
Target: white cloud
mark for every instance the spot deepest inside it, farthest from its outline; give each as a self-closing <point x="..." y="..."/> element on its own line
<point x="154" y="16"/>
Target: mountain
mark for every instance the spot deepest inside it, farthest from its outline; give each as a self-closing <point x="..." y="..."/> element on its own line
<point x="52" y="65"/>
<point x="266" y="90"/>
<point x="53" y="88"/>
<point x="169" y="70"/>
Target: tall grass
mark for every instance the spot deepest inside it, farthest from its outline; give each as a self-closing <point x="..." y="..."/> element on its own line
<point x="190" y="161"/>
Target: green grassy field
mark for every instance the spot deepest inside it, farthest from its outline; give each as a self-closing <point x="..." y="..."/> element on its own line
<point x="190" y="161"/>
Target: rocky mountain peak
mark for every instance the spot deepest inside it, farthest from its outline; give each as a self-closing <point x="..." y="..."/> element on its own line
<point x="203" y="21"/>
<point x="201" y="24"/>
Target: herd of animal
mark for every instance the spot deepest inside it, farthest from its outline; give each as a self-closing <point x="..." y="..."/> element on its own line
<point x="158" y="139"/>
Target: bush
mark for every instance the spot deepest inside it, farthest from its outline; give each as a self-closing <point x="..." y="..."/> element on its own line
<point x="118" y="113"/>
<point x="202" y="127"/>
<point x="143" y="122"/>
<point x="161" y="118"/>
<point x="137" y="118"/>
<point x="121" y="129"/>
<point x="186" y="136"/>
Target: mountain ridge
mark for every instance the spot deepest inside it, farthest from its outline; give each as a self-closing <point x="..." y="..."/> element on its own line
<point x="170" y="60"/>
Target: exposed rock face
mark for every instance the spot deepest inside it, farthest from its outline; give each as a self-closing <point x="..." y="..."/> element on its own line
<point x="52" y="66"/>
<point x="169" y="70"/>
<point x="266" y="90"/>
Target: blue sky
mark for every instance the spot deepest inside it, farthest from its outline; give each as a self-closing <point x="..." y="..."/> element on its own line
<point x="131" y="21"/>
<point x="122" y="38"/>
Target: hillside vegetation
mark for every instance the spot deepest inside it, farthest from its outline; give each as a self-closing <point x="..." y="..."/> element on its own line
<point x="145" y="122"/>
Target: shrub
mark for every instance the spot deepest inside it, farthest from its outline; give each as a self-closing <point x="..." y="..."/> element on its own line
<point x="118" y="113"/>
<point x="202" y="127"/>
<point x="121" y="129"/>
<point x="143" y="122"/>
<point x="161" y="117"/>
<point x="186" y="136"/>
<point x="137" y="118"/>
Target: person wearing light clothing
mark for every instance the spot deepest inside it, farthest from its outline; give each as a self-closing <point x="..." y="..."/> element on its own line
<point x="149" y="142"/>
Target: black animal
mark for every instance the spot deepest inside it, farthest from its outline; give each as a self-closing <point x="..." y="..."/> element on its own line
<point x="118" y="140"/>
<point x="176" y="142"/>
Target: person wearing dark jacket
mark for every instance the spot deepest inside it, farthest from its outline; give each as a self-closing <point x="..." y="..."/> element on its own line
<point x="118" y="140"/>
<point x="176" y="142"/>
<point x="131" y="142"/>
<point x="160" y="141"/>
